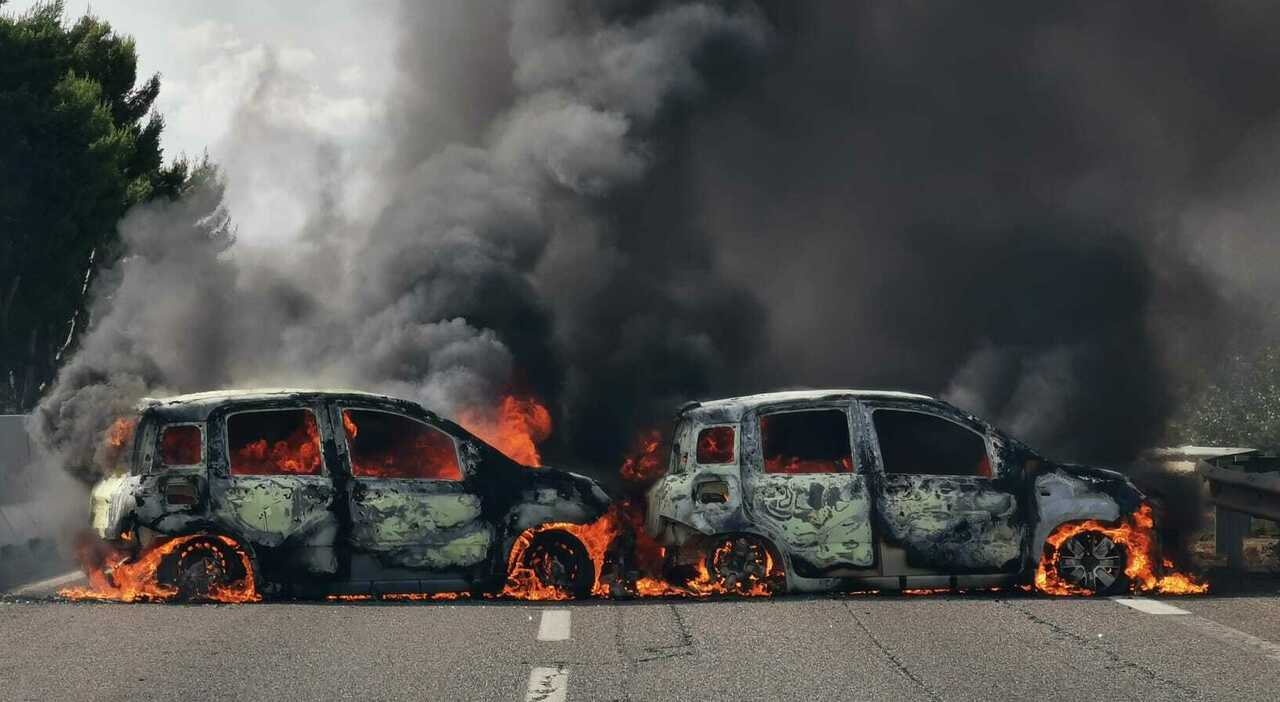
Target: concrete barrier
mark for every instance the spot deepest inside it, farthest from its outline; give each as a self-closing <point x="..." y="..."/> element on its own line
<point x="28" y="526"/>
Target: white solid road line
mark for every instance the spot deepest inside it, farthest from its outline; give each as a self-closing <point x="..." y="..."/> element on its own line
<point x="49" y="584"/>
<point x="1221" y="632"/>
<point x="554" y="625"/>
<point x="548" y="685"/>
<point x="1149" y="606"/>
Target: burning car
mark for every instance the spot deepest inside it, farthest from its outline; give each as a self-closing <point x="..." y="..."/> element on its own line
<point x="233" y="494"/>
<point x="849" y="489"/>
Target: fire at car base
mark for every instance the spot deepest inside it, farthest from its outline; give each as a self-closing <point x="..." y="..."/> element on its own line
<point x="613" y="555"/>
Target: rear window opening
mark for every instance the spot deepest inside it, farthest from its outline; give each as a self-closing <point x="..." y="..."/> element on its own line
<point x="715" y="445"/>
<point x="274" y="442"/>
<point x="385" y="445"/>
<point x="815" y="441"/>
<point x="182" y="445"/>
<point x="914" y="443"/>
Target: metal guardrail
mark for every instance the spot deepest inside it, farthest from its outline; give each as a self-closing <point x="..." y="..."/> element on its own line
<point x="1242" y="486"/>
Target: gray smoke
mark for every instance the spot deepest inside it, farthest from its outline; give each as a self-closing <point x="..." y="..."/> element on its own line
<point x="500" y="175"/>
<point x="1046" y="213"/>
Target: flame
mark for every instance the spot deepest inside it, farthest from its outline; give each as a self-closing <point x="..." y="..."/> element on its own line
<point x="113" y="576"/>
<point x="1136" y="534"/>
<point x="523" y="582"/>
<point x="117" y="439"/>
<point x="515" y="427"/>
<point x="120" y="432"/>
<point x="794" y="464"/>
<point x="296" y="454"/>
<point x="643" y="462"/>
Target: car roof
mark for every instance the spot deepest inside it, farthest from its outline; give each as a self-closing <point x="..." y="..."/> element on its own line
<point x="197" y="406"/>
<point x="732" y="408"/>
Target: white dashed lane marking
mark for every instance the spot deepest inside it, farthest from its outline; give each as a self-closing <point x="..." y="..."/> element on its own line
<point x="1143" y="604"/>
<point x="554" y="625"/>
<point x="548" y="685"/>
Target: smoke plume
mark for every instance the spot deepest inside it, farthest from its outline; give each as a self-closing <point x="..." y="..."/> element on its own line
<point x="1047" y="214"/>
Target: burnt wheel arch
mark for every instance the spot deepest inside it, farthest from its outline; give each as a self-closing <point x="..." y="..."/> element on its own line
<point x="204" y="561"/>
<point x="775" y="577"/>
<point x="559" y="559"/>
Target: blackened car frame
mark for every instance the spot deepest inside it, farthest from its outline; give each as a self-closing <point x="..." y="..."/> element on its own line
<point x="849" y="489"/>
<point x="334" y="492"/>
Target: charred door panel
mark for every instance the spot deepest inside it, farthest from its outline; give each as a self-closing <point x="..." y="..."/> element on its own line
<point x="943" y="495"/>
<point x="409" y="503"/>
<point x="274" y="487"/>
<point x="804" y="488"/>
<point x="950" y="523"/>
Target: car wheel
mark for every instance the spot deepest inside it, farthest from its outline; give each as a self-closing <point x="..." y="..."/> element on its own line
<point x="201" y="566"/>
<point x="740" y="564"/>
<point x="558" y="560"/>
<point x="1092" y="561"/>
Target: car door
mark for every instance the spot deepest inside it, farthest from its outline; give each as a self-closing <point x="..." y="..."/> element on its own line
<point x="942" y="493"/>
<point x="805" y="487"/>
<point x="409" y="497"/>
<point x="275" y="486"/>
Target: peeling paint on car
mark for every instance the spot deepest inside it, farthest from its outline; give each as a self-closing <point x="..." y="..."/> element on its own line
<point x="1061" y="498"/>
<point x="301" y="526"/>
<point x="842" y="529"/>
<point x="950" y="523"/>
<point x="391" y="515"/>
<point x="824" y="519"/>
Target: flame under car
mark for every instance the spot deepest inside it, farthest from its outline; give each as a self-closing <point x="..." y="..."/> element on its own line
<point x="860" y="490"/>
<point x="313" y="493"/>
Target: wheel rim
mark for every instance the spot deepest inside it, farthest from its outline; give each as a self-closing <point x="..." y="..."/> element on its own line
<point x="740" y="563"/>
<point x="201" y="569"/>
<point x="1092" y="561"/>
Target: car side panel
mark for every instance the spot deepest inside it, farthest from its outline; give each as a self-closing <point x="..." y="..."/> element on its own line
<point x="948" y="524"/>
<point x="420" y="523"/>
<point x="822" y="519"/>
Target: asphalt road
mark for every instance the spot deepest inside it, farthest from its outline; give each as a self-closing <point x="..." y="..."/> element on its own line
<point x="861" y="647"/>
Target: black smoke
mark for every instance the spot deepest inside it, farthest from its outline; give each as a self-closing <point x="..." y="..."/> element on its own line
<point x="1048" y="214"/>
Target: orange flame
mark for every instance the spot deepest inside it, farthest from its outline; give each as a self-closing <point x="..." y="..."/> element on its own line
<point x="1136" y="534"/>
<point x="296" y="454"/>
<point x="117" y="439"/>
<point x="515" y="428"/>
<point x="643" y="463"/>
<point x="114" y="577"/>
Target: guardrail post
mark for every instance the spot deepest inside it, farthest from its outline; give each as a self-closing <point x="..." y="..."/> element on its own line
<point x="1230" y="529"/>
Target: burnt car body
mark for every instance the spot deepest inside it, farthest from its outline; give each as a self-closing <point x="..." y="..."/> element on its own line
<point x="333" y="492"/>
<point x="851" y="489"/>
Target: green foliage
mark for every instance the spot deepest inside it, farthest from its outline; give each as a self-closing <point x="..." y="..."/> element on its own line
<point x="1237" y="405"/>
<point x="80" y="145"/>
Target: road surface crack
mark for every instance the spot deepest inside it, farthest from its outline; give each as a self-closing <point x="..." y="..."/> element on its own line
<point x="1112" y="656"/>
<point x="889" y="655"/>
<point x="682" y="649"/>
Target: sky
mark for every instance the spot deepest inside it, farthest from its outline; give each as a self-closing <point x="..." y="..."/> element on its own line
<point x="332" y="64"/>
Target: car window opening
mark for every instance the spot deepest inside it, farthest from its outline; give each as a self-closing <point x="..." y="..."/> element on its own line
<point x="274" y="442"/>
<point x="814" y="441"/>
<point x="181" y="445"/>
<point x="385" y="445"/>
<point x="914" y="443"/>
<point x="715" y="445"/>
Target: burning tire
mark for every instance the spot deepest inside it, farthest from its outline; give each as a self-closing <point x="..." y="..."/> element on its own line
<point x="743" y="565"/>
<point x="201" y="568"/>
<point x="559" y="562"/>
<point x="1092" y="562"/>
